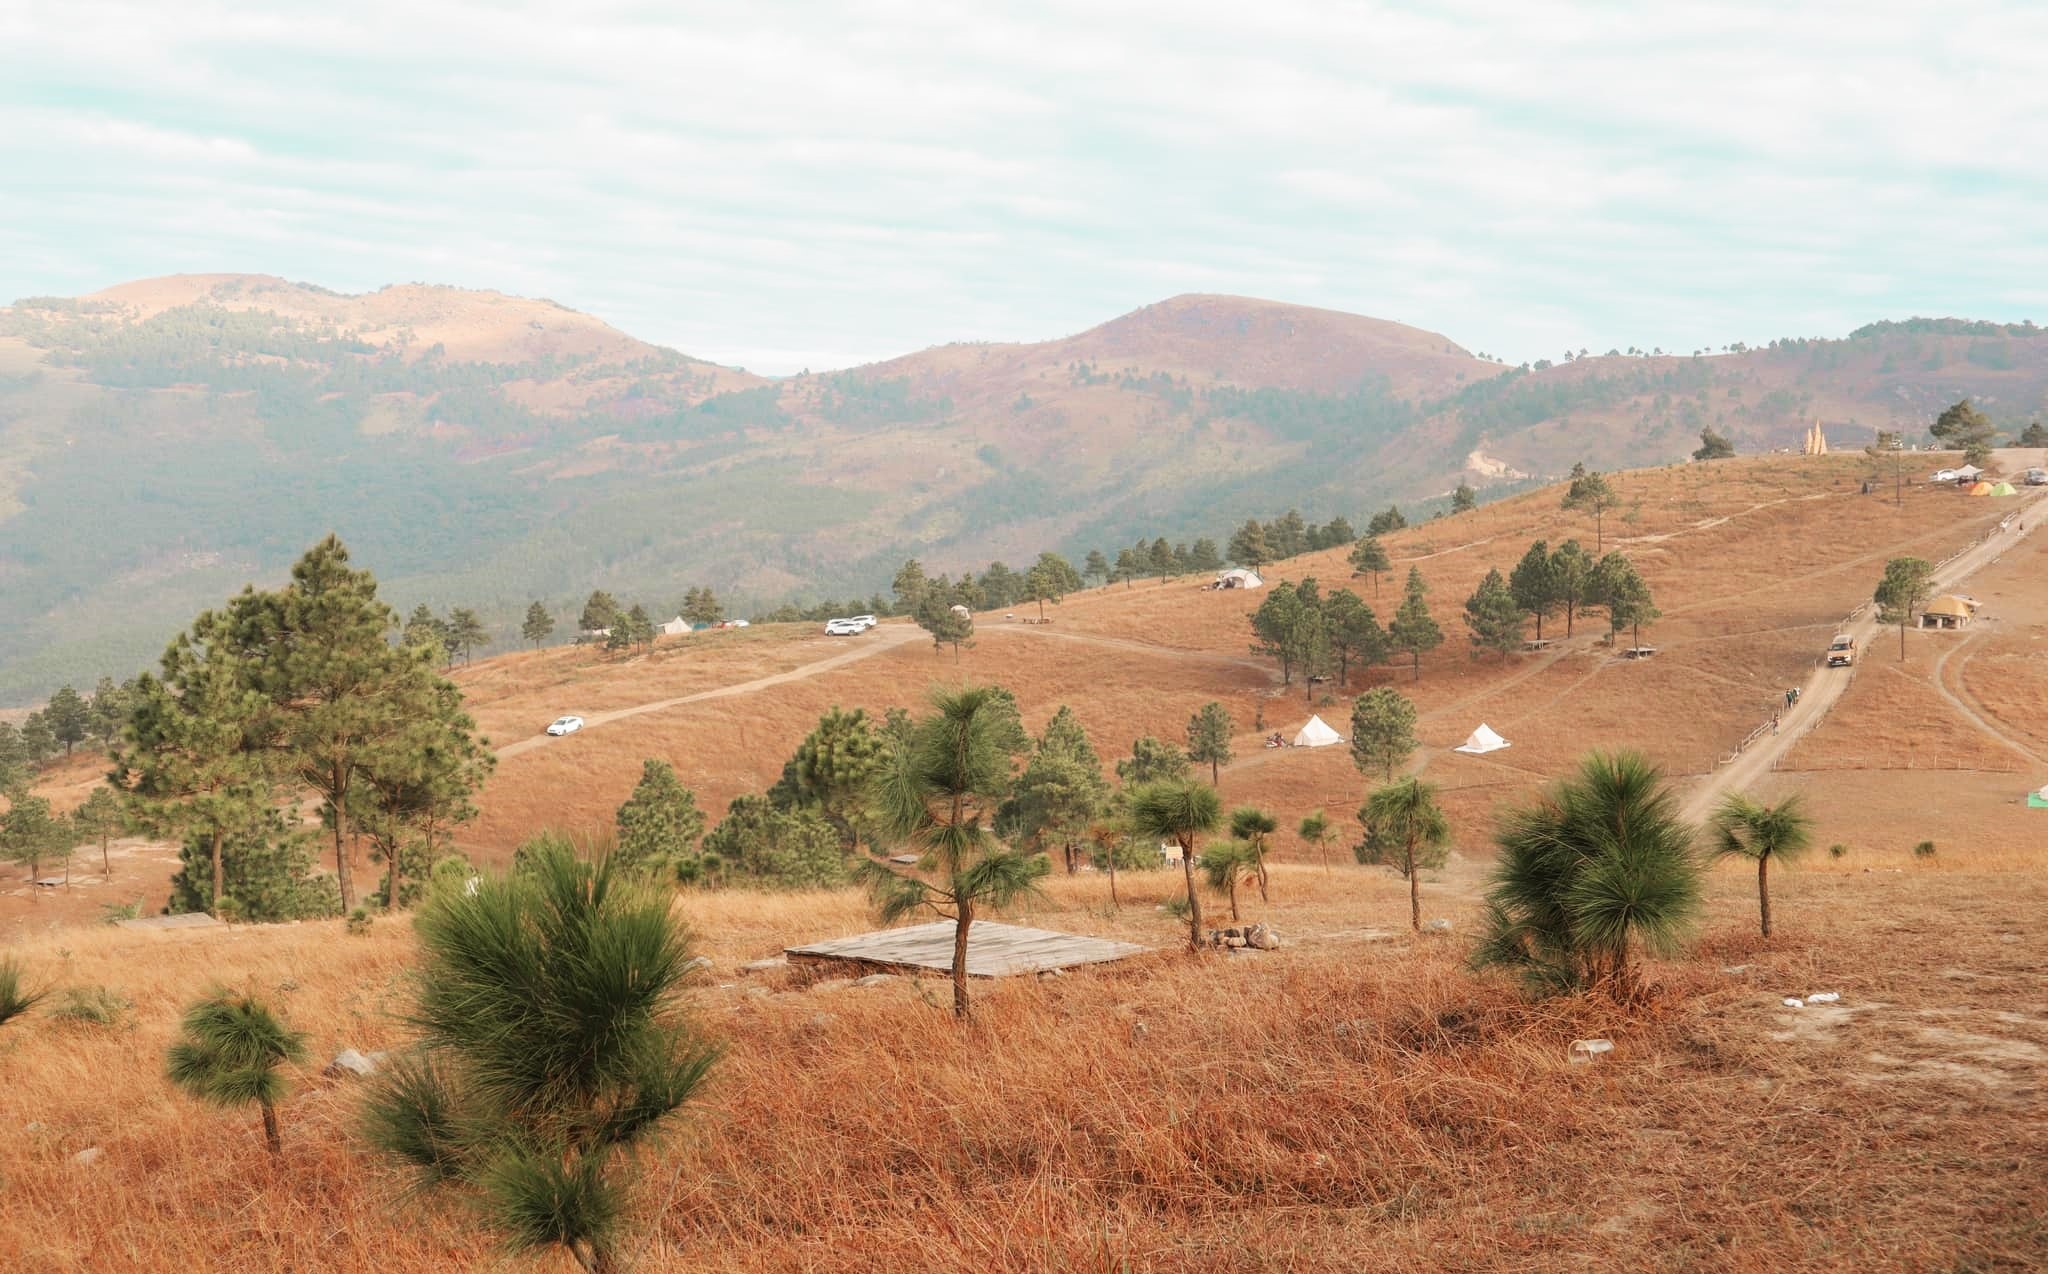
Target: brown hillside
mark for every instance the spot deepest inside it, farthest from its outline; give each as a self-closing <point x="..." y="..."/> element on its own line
<point x="470" y="325"/>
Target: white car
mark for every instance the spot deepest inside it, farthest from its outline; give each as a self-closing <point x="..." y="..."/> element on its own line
<point x="565" y="725"/>
<point x="843" y="628"/>
<point x="866" y="621"/>
<point x="1943" y="475"/>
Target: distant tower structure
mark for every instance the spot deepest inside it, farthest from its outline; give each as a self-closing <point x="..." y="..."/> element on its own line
<point x="1816" y="442"/>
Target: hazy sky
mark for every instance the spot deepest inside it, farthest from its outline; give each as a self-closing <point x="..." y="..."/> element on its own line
<point x="783" y="185"/>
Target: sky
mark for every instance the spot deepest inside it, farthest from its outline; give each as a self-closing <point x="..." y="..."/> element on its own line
<point x="806" y="185"/>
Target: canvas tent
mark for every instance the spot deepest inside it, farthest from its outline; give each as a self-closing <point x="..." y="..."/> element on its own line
<point x="1316" y="735"/>
<point x="1969" y="473"/>
<point x="1483" y="740"/>
<point x="675" y="627"/>
<point x="1239" y="577"/>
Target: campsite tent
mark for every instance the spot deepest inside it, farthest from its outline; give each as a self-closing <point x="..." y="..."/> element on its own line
<point x="1239" y="577"/>
<point x="1316" y="735"/>
<point x="1483" y="740"/>
<point x="1978" y="488"/>
<point x="676" y="627"/>
<point x="2003" y="488"/>
<point x="1969" y="473"/>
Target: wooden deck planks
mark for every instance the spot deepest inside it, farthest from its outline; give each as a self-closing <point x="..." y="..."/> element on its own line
<point x="994" y="950"/>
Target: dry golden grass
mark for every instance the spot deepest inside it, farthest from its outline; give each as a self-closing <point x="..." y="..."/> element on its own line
<point x="1344" y="1103"/>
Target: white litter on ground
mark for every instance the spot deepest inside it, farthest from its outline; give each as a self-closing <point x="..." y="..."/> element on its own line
<point x="1587" y="1050"/>
<point x="1823" y="997"/>
<point x="1794" y="1003"/>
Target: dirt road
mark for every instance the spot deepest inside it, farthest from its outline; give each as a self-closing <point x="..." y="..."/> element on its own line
<point x="885" y="637"/>
<point x="1825" y="685"/>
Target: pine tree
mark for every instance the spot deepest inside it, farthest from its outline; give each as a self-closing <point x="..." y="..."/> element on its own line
<point x="1968" y="430"/>
<point x="1274" y="624"/>
<point x="770" y="848"/>
<point x="1386" y="521"/>
<point x="1464" y="499"/>
<point x="1382" y="731"/>
<point x="197" y="762"/>
<point x="600" y="612"/>
<point x="1494" y="616"/>
<point x="1354" y="633"/>
<point x="910" y="586"/>
<point x="1002" y="586"/>
<point x="1061" y="791"/>
<point x="1252" y="825"/>
<point x="640" y="626"/>
<point x="31" y="835"/>
<point x="338" y="690"/>
<point x="1405" y="815"/>
<point x="1590" y="492"/>
<point x="1180" y="811"/>
<point x="836" y="765"/>
<point x="417" y="782"/>
<point x="1412" y="628"/>
<point x="1534" y="584"/>
<point x="466" y="631"/>
<point x="947" y="626"/>
<point x="1902" y="592"/>
<point x="228" y="1053"/>
<point x="936" y="796"/>
<point x="109" y="711"/>
<point x="1713" y="446"/>
<point x="1618" y="587"/>
<point x="701" y="606"/>
<point x="1369" y="557"/>
<point x="539" y="625"/>
<point x="101" y="819"/>
<point x="1204" y="557"/>
<point x="1209" y="733"/>
<point x="1151" y="761"/>
<point x="1129" y="566"/>
<point x="552" y="1045"/>
<point x="69" y="718"/>
<point x="1249" y="546"/>
<point x="1095" y="566"/>
<point x="1287" y="535"/>
<point x="660" y="824"/>
<point x="1571" y="579"/>
<point x="38" y="741"/>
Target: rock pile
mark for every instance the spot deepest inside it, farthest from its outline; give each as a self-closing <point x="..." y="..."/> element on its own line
<point x="1259" y="937"/>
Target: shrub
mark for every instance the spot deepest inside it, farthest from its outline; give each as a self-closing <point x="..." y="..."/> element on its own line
<point x="15" y="996"/>
<point x="359" y="922"/>
<point x="91" y="1006"/>
<point x="1925" y="849"/>
<point x="228" y="1053"/>
<point x="116" y="912"/>
<point x="1838" y="850"/>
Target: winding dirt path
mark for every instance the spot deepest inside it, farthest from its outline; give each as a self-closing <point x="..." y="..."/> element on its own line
<point x="1965" y="703"/>
<point x="885" y="637"/>
<point x="1824" y="686"/>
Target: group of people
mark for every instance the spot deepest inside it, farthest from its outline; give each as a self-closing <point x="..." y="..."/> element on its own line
<point x="1276" y="740"/>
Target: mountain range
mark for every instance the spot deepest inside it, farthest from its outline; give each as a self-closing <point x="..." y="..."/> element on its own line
<point x="164" y="442"/>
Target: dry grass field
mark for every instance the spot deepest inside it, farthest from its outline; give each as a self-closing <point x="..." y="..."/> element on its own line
<point x="1352" y="1101"/>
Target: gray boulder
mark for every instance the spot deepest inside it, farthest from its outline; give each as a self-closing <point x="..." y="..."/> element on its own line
<point x="349" y="1062"/>
<point x="765" y="966"/>
<point x="88" y="1156"/>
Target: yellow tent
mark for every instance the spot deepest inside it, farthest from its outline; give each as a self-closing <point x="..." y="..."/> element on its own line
<point x="1978" y="488"/>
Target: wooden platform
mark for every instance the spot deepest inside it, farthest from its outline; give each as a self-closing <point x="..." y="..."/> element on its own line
<point x="993" y="950"/>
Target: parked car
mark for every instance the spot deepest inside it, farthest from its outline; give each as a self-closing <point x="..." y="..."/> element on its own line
<point x="1943" y="475"/>
<point x="843" y="628"/>
<point x="2037" y="477"/>
<point x="866" y="621"/>
<point x="565" y="725"/>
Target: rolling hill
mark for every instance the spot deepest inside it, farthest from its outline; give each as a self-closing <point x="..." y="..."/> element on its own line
<point x="163" y="442"/>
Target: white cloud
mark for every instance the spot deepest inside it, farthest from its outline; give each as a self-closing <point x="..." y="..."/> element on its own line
<point x="797" y="181"/>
